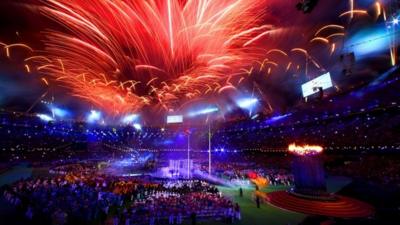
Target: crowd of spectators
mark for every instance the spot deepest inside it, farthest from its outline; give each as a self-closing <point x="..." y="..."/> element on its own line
<point x="81" y="198"/>
<point x="30" y="139"/>
<point x="57" y="201"/>
<point x="378" y="169"/>
<point x="238" y="173"/>
<point x="37" y="141"/>
<point x="174" y="207"/>
<point x="357" y="129"/>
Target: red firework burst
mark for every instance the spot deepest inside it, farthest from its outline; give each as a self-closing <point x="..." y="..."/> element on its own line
<point x="123" y="55"/>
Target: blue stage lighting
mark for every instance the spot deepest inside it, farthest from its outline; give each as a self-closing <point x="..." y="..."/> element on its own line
<point x="93" y="116"/>
<point x="130" y="118"/>
<point x="255" y="116"/>
<point x="277" y="118"/>
<point x="395" y="21"/>
<point x="137" y="126"/>
<point x="58" y="112"/>
<point x="209" y="110"/>
<point x="45" y="117"/>
<point x="371" y="40"/>
<point x="247" y="103"/>
<point x="204" y="111"/>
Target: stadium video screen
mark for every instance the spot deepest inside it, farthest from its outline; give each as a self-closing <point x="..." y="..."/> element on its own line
<point x="324" y="81"/>
<point x="175" y="119"/>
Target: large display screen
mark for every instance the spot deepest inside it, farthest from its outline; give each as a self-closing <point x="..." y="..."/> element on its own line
<point x="324" y="81"/>
<point x="175" y="119"/>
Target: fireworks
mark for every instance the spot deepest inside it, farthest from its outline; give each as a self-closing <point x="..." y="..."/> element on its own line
<point x="123" y="55"/>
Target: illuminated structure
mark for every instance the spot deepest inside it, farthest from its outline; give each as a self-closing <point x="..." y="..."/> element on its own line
<point x="179" y="168"/>
<point x="308" y="171"/>
<point x="305" y="150"/>
<point x="309" y="194"/>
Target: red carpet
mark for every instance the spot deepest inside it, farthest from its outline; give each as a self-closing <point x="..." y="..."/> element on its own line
<point x="343" y="207"/>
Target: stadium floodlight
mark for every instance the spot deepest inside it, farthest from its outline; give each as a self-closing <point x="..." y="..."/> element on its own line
<point x="247" y="103"/>
<point x="45" y="117"/>
<point x="58" y="112"/>
<point x="255" y="116"/>
<point x="395" y="21"/>
<point x="204" y="111"/>
<point x="93" y="116"/>
<point x="137" y="126"/>
<point x="129" y="118"/>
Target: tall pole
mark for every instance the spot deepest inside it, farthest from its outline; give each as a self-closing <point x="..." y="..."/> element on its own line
<point x="188" y="156"/>
<point x="209" y="149"/>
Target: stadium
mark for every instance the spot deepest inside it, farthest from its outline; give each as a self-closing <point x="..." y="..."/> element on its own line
<point x="247" y="112"/>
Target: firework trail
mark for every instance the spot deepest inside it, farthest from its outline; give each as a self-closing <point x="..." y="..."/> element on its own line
<point x="123" y="55"/>
<point x="126" y="55"/>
